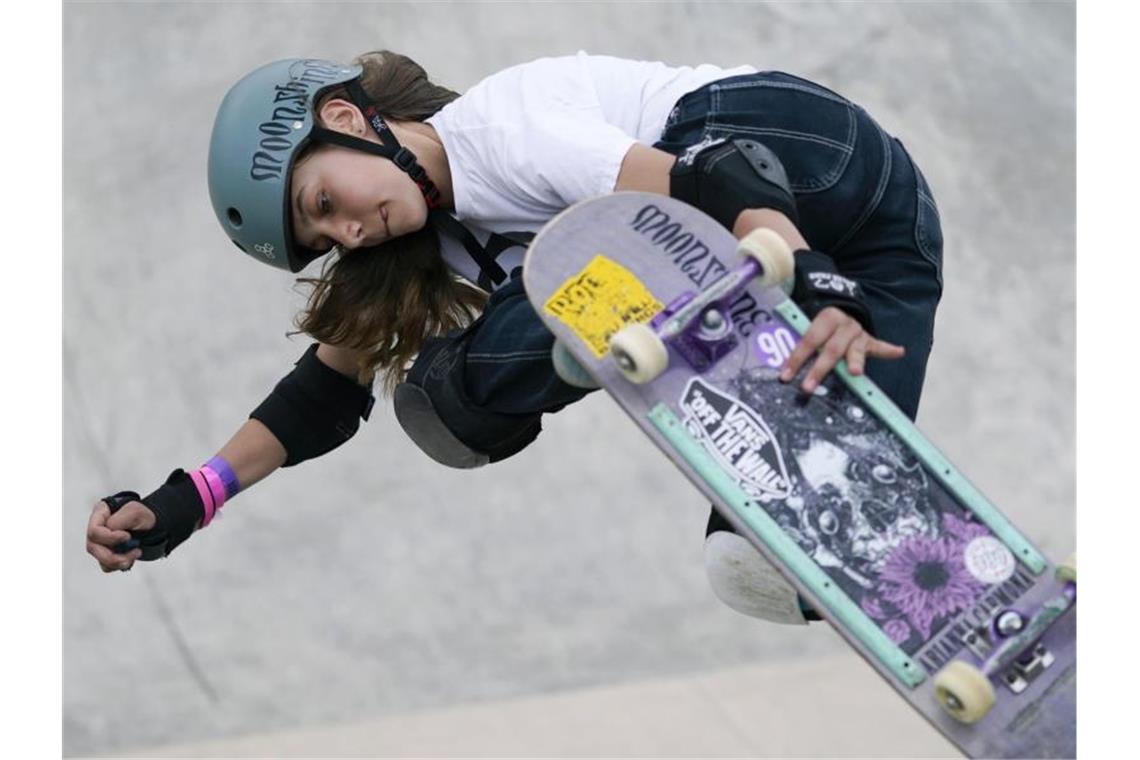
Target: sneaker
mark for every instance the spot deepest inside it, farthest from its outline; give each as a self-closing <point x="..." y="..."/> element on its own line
<point x="745" y="581"/>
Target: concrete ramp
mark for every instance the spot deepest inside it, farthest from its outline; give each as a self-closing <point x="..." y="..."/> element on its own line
<point x="831" y="707"/>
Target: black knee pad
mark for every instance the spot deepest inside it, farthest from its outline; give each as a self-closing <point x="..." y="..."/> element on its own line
<point x="437" y="413"/>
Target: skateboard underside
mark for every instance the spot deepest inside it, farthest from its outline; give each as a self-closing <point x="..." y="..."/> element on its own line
<point x="881" y="535"/>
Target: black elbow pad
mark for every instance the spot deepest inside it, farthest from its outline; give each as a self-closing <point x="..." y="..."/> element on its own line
<point x="314" y="409"/>
<point x="724" y="177"/>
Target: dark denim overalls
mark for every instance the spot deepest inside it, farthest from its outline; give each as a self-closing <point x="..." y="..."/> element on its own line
<point x="860" y="199"/>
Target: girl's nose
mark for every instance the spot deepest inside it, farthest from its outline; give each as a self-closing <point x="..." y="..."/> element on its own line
<point x="352" y="233"/>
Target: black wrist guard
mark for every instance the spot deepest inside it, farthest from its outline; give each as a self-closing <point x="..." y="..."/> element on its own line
<point x="177" y="511"/>
<point x="727" y="176"/>
<point x="313" y="409"/>
<point x="818" y="284"/>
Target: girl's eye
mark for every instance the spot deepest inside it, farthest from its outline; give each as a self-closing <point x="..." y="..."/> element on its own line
<point x="323" y="205"/>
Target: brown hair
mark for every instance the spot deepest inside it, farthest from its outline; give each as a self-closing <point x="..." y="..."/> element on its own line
<point x="385" y="300"/>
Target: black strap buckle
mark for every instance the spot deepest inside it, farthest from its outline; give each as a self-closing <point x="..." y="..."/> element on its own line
<point x="406" y="160"/>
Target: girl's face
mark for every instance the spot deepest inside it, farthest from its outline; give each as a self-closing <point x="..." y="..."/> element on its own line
<point x="345" y="197"/>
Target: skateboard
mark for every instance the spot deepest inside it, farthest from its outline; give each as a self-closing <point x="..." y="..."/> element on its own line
<point x="686" y="328"/>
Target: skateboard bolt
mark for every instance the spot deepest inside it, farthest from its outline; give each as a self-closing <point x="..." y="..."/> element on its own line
<point x="1010" y="622"/>
<point x="712" y="319"/>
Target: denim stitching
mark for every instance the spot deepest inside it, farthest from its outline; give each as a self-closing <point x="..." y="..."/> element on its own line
<point x="521" y="355"/>
<point x="880" y="190"/>
<point x="920" y="238"/>
<point x="929" y="200"/>
<point x="815" y="184"/>
<point x="710" y="117"/>
<point x="922" y="224"/>
<point x="784" y="86"/>
<point x="826" y="141"/>
<point x="803" y="187"/>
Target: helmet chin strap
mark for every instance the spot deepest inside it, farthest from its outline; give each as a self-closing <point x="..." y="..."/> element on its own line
<point x="397" y="154"/>
<point x="390" y="148"/>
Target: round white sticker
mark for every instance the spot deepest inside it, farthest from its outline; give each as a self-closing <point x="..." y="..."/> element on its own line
<point x="989" y="560"/>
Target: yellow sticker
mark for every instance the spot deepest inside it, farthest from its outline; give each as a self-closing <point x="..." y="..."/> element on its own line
<point x="600" y="300"/>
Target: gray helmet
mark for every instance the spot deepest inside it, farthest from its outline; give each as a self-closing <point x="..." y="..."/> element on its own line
<point x="262" y="125"/>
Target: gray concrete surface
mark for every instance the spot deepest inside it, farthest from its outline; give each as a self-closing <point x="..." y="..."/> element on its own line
<point x="719" y="713"/>
<point x="375" y="583"/>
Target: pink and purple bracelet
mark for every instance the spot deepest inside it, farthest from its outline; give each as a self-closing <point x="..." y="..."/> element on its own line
<point x="215" y="482"/>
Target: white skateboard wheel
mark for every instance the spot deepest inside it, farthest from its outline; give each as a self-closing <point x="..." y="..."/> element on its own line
<point x="964" y="691"/>
<point x="772" y="252"/>
<point x="640" y="354"/>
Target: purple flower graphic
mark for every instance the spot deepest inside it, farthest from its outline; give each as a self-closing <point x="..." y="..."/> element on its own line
<point x="927" y="579"/>
<point x="873" y="606"/>
<point x="898" y="630"/>
<point x="961" y="530"/>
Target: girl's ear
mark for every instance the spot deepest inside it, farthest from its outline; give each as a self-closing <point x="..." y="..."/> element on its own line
<point x="342" y="116"/>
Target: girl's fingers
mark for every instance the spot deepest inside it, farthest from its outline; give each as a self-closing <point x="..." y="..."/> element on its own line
<point x="109" y="561"/>
<point x="97" y="530"/>
<point x="803" y="351"/>
<point x="102" y="539"/>
<point x="829" y="356"/>
<point x="134" y="515"/>
<point x="880" y="349"/>
<point x="857" y="355"/>
<point x="834" y="336"/>
<point x="817" y="335"/>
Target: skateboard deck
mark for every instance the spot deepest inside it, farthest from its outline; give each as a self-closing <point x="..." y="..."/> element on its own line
<point x="879" y="533"/>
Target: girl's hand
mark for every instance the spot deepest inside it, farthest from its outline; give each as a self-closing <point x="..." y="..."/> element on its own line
<point x="105" y="531"/>
<point x="835" y="335"/>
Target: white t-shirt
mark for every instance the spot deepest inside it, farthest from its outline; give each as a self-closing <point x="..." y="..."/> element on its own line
<point x="528" y="141"/>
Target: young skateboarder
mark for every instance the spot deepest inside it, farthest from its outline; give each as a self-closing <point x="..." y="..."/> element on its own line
<point x="421" y="202"/>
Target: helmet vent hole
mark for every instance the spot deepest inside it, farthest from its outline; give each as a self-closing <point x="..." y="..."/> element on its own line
<point x="235" y="217"/>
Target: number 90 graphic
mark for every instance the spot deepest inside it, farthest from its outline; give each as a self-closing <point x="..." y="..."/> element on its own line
<point x="774" y="344"/>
